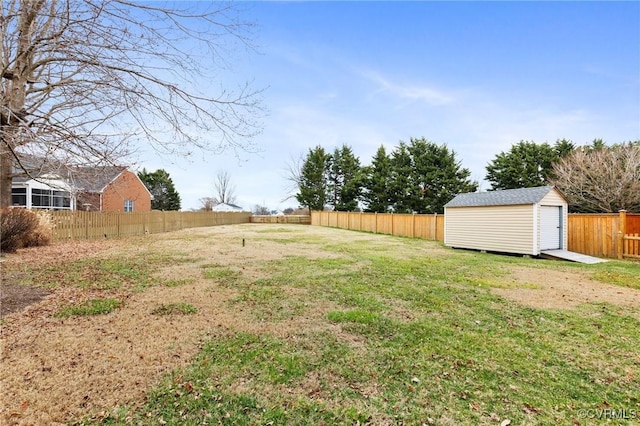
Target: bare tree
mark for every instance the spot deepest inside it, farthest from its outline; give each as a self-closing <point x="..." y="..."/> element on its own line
<point x="224" y="189"/>
<point x="259" y="210"/>
<point x="82" y="81"/>
<point x="601" y="179"/>
<point x="207" y="204"/>
<point x="293" y="174"/>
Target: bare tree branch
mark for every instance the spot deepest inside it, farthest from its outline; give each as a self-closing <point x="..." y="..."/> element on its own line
<point x="224" y="189"/>
<point x="87" y="81"/>
<point x="293" y="174"/>
<point x="601" y="180"/>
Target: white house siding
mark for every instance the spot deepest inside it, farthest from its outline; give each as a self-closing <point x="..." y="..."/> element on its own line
<point x="48" y="184"/>
<point x="224" y="207"/>
<point x="506" y="229"/>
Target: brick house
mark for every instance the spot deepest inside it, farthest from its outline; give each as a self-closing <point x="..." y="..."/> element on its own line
<point x="107" y="189"/>
<point x="111" y="189"/>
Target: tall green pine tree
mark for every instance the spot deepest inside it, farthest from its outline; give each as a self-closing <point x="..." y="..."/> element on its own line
<point x="436" y="177"/>
<point x="376" y="184"/>
<point x="160" y="185"/>
<point x="344" y="179"/>
<point x="525" y="165"/>
<point x="312" y="185"/>
<point x="400" y="181"/>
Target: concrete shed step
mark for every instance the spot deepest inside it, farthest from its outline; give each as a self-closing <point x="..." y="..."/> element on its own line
<point x="571" y="256"/>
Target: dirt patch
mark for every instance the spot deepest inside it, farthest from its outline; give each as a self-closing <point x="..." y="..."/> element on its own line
<point x="14" y="297"/>
<point x="559" y="290"/>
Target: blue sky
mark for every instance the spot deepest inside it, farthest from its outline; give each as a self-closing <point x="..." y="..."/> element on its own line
<point x="478" y="77"/>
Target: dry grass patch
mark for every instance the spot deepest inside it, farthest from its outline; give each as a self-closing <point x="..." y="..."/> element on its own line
<point x="555" y="289"/>
<point x="310" y="325"/>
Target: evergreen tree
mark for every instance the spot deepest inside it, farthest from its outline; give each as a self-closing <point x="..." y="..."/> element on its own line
<point x="312" y="185"/>
<point x="344" y="179"/>
<point x="160" y="185"/>
<point x="563" y="147"/>
<point x="376" y="184"/>
<point x="435" y="177"/>
<point x="597" y="144"/>
<point x="399" y="183"/>
<point x="526" y="164"/>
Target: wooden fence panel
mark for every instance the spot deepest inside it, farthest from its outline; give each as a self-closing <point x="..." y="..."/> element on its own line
<point x="355" y="221"/>
<point x="402" y="225"/>
<point x="74" y="225"/>
<point x="631" y="245"/>
<point x="342" y="220"/>
<point x="593" y="234"/>
<point x="384" y="224"/>
<point x="633" y="223"/>
<point x="429" y="227"/>
<point x="368" y="222"/>
<point x="129" y="225"/>
<point x="298" y="219"/>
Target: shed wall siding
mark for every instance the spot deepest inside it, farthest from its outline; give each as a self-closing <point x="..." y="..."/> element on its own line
<point x="499" y="228"/>
<point x="553" y="198"/>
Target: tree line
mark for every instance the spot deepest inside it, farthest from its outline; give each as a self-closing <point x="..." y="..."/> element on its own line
<point x="421" y="176"/>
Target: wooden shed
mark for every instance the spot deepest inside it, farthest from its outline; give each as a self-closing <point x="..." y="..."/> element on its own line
<point x="523" y="221"/>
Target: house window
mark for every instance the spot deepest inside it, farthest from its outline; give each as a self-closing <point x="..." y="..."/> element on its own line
<point x="128" y="205"/>
<point x="48" y="199"/>
<point x="61" y="200"/>
<point x="19" y="197"/>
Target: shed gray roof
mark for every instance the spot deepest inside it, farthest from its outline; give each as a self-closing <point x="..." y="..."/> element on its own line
<point x="504" y="197"/>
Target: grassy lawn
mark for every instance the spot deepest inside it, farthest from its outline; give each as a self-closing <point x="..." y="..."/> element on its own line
<point x="386" y="330"/>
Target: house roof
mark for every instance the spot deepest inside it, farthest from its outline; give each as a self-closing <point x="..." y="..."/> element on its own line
<point x="85" y="178"/>
<point x="36" y="167"/>
<point x="222" y="206"/>
<point x="95" y="179"/>
<point x="504" y="197"/>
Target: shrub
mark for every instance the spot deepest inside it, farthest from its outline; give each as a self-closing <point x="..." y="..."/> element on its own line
<point x="43" y="234"/>
<point x="23" y="228"/>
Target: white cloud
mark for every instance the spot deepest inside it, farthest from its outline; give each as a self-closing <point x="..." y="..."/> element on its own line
<point x="411" y="91"/>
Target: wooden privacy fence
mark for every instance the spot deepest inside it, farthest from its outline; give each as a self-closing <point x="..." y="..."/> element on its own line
<point x="613" y="235"/>
<point x="74" y="225"/>
<point x="428" y="227"/>
<point x="631" y="245"/>
<point x="301" y="219"/>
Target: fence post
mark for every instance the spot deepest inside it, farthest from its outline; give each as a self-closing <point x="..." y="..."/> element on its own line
<point x="622" y="230"/>
<point x="375" y="224"/>
<point x="86" y="226"/>
<point x="434" y="227"/>
<point x="413" y="225"/>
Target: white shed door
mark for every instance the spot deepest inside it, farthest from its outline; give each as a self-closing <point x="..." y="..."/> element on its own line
<point x="550" y="227"/>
